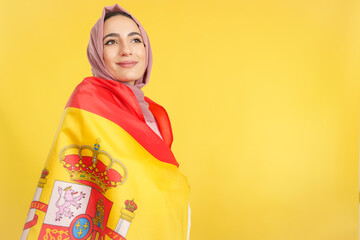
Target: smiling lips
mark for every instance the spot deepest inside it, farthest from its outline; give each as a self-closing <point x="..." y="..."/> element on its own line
<point x="126" y="64"/>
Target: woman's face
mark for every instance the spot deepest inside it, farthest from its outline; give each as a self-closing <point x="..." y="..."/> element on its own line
<point x="124" y="51"/>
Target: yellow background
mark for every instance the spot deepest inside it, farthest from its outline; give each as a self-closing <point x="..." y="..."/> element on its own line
<point x="263" y="96"/>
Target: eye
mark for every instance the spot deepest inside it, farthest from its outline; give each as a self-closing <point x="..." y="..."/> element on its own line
<point x="110" y="42"/>
<point x="136" y="40"/>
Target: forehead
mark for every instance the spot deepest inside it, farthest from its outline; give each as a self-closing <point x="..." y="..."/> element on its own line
<point x="120" y="24"/>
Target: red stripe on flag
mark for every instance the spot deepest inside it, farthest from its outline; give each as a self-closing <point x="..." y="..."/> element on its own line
<point x="117" y="103"/>
<point x="162" y="120"/>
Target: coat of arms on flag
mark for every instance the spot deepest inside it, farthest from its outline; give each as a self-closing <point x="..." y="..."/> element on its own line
<point x="71" y="209"/>
<point x="80" y="210"/>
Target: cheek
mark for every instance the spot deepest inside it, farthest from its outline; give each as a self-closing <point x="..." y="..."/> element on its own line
<point x="107" y="56"/>
<point x="142" y="56"/>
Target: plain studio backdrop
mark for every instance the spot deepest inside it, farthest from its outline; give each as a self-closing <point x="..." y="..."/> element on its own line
<point x="263" y="96"/>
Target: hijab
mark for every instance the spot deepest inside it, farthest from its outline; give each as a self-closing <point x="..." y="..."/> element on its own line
<point x="95" y="57"/>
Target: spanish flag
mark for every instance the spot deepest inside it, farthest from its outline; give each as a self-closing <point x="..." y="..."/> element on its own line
<point x="108" y="175"/>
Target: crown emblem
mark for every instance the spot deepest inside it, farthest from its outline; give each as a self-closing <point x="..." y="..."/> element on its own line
<point x="92" y="167"/>
<point x="130" y="205"/>
<point x="127" y="213"/>
<point x="42" y="180"/>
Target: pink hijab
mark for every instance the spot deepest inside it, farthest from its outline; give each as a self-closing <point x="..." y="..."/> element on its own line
<point x="95" y="57"/>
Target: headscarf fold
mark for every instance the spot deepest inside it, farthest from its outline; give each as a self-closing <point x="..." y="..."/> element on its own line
<point x="95" y="56"/>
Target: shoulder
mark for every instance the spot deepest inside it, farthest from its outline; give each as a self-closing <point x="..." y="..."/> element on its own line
<point x="99" y="89"/>
<point x="103" y="97"/>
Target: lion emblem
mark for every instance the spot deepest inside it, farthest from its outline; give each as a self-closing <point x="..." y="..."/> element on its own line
<point x="70" y="200"/>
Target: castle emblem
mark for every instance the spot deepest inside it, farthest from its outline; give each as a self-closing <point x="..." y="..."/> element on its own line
<point x="99" y="216"/>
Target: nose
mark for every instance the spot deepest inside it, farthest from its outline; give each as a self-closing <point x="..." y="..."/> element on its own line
<point x="125" y="49"/>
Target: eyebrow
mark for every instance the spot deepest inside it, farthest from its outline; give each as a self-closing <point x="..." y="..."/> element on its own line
<point x="118" y="35"/>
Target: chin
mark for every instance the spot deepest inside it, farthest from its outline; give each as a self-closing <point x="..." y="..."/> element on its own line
<point x="127" y="78"/>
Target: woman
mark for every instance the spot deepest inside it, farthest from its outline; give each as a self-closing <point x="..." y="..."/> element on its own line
<point x="110" y="173"/>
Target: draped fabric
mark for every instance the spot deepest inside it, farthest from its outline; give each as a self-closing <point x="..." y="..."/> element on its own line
<point x="108" y="175"/>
